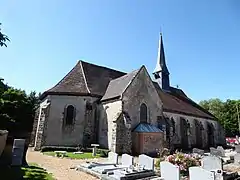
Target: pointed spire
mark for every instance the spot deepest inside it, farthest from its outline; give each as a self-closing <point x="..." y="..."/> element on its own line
<point x="161" y="63"/>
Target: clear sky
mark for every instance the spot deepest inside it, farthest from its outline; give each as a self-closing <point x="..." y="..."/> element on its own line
<point x="201" y="39"/>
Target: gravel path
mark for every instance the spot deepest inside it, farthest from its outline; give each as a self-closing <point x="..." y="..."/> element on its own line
<point x="59" y="167"/>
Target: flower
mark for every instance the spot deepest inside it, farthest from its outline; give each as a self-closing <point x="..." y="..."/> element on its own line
<point x="184" y="161"/>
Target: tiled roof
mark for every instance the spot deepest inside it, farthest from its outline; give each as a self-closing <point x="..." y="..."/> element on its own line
<point x="85" y="78"/>
<point x="177" y="102"/>
<point x="73" y="82"/>
<point x="117" y="86"/>
<point x="98" y="77"/>
<point x="90" y="79"/>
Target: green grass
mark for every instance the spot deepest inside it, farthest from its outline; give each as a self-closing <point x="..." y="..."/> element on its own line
<point x="32" y="172"/>
<point x="85" y="155"/>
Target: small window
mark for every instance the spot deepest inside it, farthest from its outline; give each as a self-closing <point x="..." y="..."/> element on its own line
<point x="70" y="115"/>
<point x="143" y="113"/>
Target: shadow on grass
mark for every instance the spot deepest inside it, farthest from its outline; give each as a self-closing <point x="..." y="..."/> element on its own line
<point x="24" y="173"/>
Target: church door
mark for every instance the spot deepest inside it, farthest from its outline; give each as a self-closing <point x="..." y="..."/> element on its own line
<point x="198" y="127"/>
<point x="184" y="133"/>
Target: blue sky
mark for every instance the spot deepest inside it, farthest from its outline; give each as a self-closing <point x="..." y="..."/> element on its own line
<point x="201" y="39"/>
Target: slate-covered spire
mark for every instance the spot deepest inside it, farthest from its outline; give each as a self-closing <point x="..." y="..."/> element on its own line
<point x="161" y="72"/>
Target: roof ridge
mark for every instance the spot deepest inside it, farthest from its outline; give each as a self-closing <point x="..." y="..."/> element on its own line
<point x="103" y="67"/>
<point x="84" y="77"/>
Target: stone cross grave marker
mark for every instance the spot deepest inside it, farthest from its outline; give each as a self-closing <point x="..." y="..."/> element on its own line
<point x="198" y="151"/>
<point x="127" y="160"/>
<point x="169" y="171"/>
<point x="237" y="148"/>
<point x="215" y="152"/>
<point x="220" y="148"/>
<point x="212" y="163"/>
<point x="17" y="151"/>
<point x="198" y="173"/>
<point x="112" y="158"/>
<point x="146" y="162"/>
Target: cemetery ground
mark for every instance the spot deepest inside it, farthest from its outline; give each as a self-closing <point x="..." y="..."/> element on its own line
<point x="60" y="167"/>
<point x="71" y="155"/>
<point x="33" y="172"/>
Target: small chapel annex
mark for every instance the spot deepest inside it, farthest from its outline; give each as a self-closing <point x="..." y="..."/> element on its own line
<point x="123" y="112"/>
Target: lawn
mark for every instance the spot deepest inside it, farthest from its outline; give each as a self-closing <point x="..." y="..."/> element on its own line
<point x="32" y="172"/>
<point x="85" y="155"/>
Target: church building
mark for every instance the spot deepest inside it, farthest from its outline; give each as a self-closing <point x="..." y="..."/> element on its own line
<point x="123" y="112"/>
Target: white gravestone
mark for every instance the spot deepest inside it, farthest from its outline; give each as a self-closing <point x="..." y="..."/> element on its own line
<point x="127" y="160"/>
<point x="169" y="171"/>
<point x="198" y="151"/>
<point x="237" y="159"/>
<point x="146" y="162"/>
<point x="237" y="148"/>
<point x="211" y="163"/>
<point x="112" y="158"/>
<point x="198" y="173"/>
<point x="215" y="152"/>
<point x="17" y="151"/>
<point x="220" y="148"/>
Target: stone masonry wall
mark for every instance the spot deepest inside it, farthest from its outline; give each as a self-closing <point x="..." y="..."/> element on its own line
<point x="34" y="129"/>
<point x="110" y="112"/>
<point x="41" y="128"/>
<point x="142" y="90"/>
<point x="56" y="134"/>
<point x="219" y="138"/>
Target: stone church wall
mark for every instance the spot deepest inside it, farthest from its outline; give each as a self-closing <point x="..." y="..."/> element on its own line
<point x="109" y="113"/>
<point x="142" y="90"/>
<point x="192" y="132"/>
<point x="72" y="135"/>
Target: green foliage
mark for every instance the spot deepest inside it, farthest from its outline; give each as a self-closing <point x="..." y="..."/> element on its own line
<point x="3" y="38"/>
<point x="17" y="109"/>
<point x="225" y="112"/>
<point x="70" y="155"/>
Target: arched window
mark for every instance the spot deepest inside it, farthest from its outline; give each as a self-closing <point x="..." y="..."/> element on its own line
<point x="143" y="113"/>
<point x="70" y="115"/>
<point x="173" y="126"/>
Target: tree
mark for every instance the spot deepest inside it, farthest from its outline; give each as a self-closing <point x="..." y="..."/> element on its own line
<point x="3" y="38"/>
<point x="225" y="112"/>
<point x="17" y="110"/>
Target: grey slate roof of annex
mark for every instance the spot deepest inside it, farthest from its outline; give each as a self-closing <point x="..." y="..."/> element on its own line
<point x="117" y="86"/>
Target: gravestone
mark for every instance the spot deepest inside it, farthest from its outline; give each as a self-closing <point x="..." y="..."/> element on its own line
<point x="127" y="160"/>
<point x="198" y="173"/>
<point x="198" y="151"/>
<point x="212" y="163"/>
<point x="237" y="159"/>
<point x="169" y="171"/>
<point x="146" y="161"/>
<point x="237" y="148"/>
<point x="17" y="151"/>
<point x="220" y="148"/>
<point x="215" y="152"/>
<point x="112" y="158"/>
